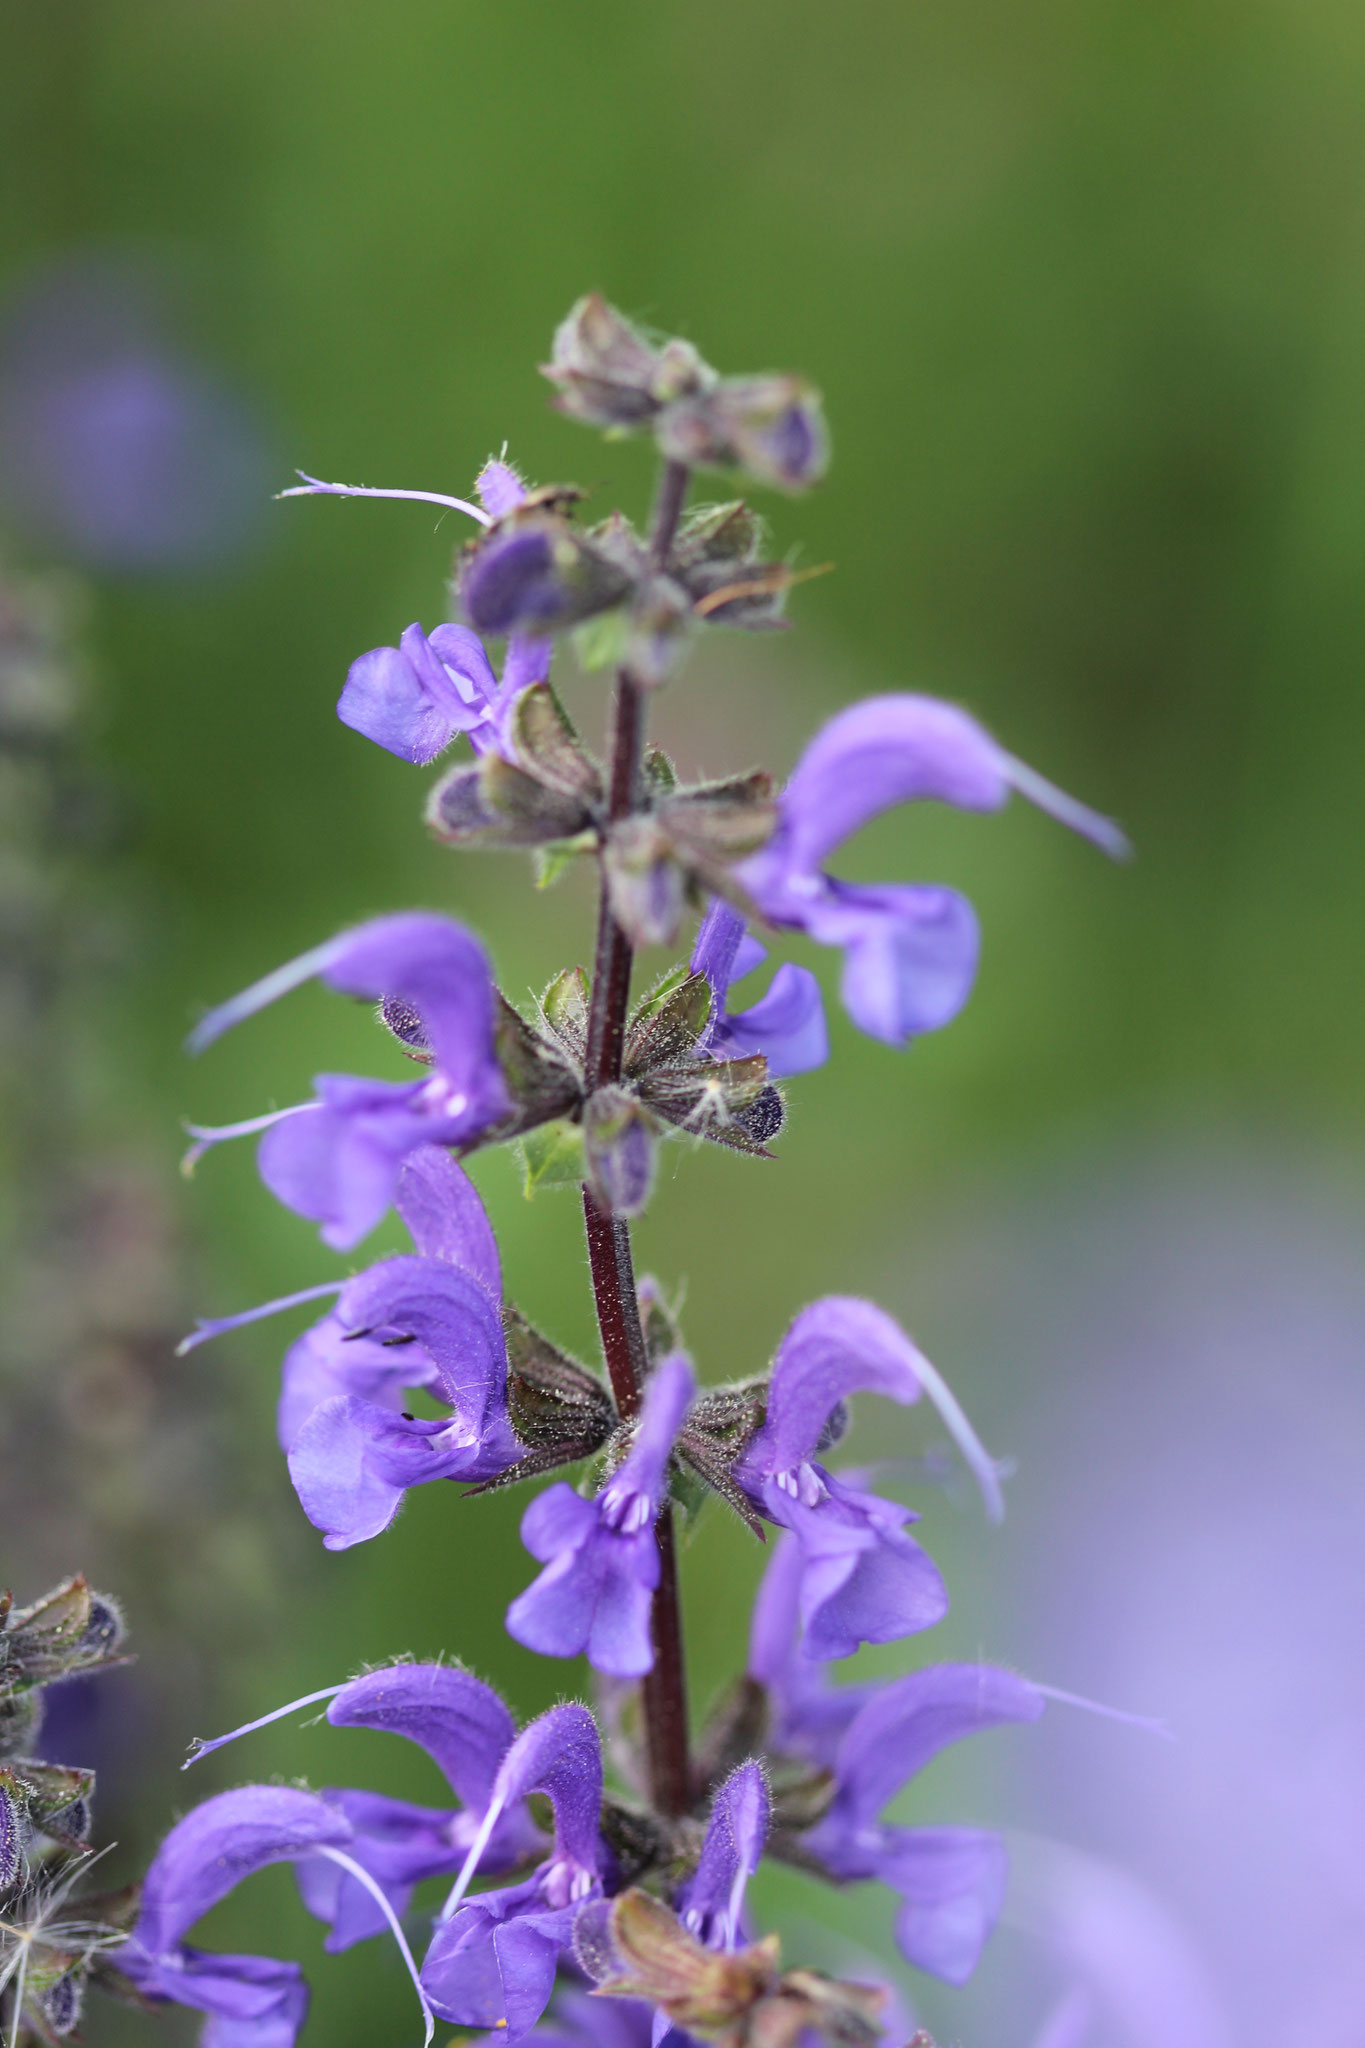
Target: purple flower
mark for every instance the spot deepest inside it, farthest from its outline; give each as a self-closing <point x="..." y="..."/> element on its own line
<point x="415" y="698"/>
<point x="809" y="1716"/>
<point x="601" y="1561"/>
<point x="864" y="1580"/>
<point x="252" y="2001"/>
<point x="337" y="1159"/>
<point x="351" y="1450"/>
<point x="711" y="1902"/>
<point x="353" y="1459"/>
<point x="909" y="949"/>
<point x="466" y="1729"/>
<point x="873" y="1739"/>
<point x="787" y="1025"/>
<point x="951" y="1880"/>
<point x="492" y="1960"/>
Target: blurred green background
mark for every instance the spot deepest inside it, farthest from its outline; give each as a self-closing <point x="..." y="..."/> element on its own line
<point x="1083" y="287"/>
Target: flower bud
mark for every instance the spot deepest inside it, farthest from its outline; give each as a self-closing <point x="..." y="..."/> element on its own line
<point x="534" y="572"/>
<point x="648" y="888"/>
<point x="609" y="375"/>
<point x="619" y="1145"/>
<point x="771" y="427"/>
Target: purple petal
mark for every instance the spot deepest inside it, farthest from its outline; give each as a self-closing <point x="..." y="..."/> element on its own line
<point x="500" y="489"/>
<point x="840" y="1346"/>
<point x="862" y="1579"/>
<point x="906" y="1724"/>
<point x="440" y="1205"/>
<point x="339" y="1167"/>
<point x="601" y="1560"/>
<point x="952" y="1886"/>
<point x="528" y="661"/>
<point x="252" y="2001"/>
<point x="594" y="1595"/>
<point x="560" y="1755"/>
<point x="709" y="1903"/>
<point x="218" y="1844"/>
<point x="442" y="971"/>
<point x="456" y="1322"/>
<point x="397" y="1843"/>
<point x="460" y="1722"/>
<point x="493" y="1965"/>
<point x="427" y="961"/>
<point x="898" y="749"/>
<point x="405" y="699"/>
<point x="910" y="954"/>
<point x="717" y="945"/>
<point x="461" y="655"/>
<point x="811" y="1716"/>
<point x="668" y="1396"/>
<point x="325" y="1362"/>
<point x="352" y="1462"/>
<point x="787" y="1026"/>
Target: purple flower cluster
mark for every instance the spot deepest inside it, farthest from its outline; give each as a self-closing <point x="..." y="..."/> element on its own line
<point x="629" y="1868"/>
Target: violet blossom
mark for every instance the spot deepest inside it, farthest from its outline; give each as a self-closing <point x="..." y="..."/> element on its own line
<point x="787" y="1025"/>
<point x="601" y="1560"/>
<point x="351" y="1450"/>
<point x="864" y="1580"/>
<point x="467" y="1730"/>
<point x="336" y="1159"/>
<point x="251" y="2001"/>
<point x="414" y="699"/>
<point x="492" y="1960"/>
<point x="910" y="949"/>
<point x="874" y="1740"/>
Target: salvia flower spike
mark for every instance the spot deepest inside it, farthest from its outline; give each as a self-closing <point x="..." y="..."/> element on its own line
<point x="619" y="1845"/>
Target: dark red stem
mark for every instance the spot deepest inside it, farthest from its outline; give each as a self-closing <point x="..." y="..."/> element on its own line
<point x="664" y="1688"/>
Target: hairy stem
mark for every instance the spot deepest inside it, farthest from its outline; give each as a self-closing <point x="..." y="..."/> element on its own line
<point x="664" y="1690"/>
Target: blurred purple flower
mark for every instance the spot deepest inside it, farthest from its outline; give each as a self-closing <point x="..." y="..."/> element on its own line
<point x="337" y="1159"/>
<point x="117" y="447"/>
<point x="909" y="949"/>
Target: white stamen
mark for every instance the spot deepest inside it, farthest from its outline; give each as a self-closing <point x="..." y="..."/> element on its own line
<point x="1076" y="1699"/>
<point x="216" y="1326"/>
<point x="312" y="487"/>
<point x="978" y="1459"/>
<point x="736" y="1906"/>
<point x="200" y="1748"/>
<point x="1066" y="809"/>
<point x="471" y="1861"/>
<point x="802" y="1483"/>
<point x="438" y="1097"/>
<point x="206" y="1136"/>
<point x="626" y="1509"/>
<point x="362" y="1877"/>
